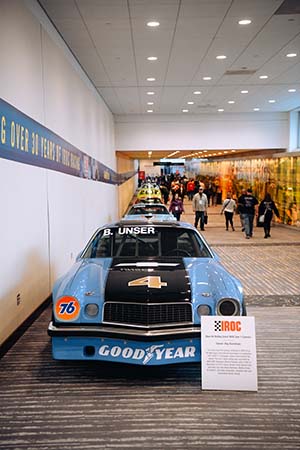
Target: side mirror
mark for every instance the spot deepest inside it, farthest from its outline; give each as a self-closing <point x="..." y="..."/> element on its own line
<point x="78" y="256"/>
<point x="216" y="256"/>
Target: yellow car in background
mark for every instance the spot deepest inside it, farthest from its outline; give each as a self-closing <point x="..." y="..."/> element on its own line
<point x="149" y="193"/>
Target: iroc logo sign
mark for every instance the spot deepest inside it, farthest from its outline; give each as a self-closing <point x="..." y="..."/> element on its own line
<point x="227" y="325"/>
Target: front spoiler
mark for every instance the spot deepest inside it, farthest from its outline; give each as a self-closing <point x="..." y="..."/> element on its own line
<point x="124" y="333"/>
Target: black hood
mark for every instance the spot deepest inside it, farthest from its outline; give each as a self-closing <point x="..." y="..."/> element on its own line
<point x="142" y="282"/>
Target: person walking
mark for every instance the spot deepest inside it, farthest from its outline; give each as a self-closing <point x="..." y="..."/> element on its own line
<point x="249" y="206"/>
<point x="265" y="213"/>
<point x="200" y="207"/>
<point x="176" y="206"/>
<point x="240" y="208"/>
<point x="228" y="209"/>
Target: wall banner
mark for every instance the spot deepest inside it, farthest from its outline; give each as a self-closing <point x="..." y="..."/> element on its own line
<point x="24" y="140"/>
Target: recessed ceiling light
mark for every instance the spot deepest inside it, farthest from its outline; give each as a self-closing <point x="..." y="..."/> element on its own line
<point x="244" y="21"/>
<point x="206" y="78"/>
<point x="272" y="101"/>
<point x="263" y="77"/>
<point x="231" y="102"/>
<point x="220" y="110"/>
<point x="221" y="57"/>
<point x="190" y="103"/>
<point x="244" y="92"/>
<point x="292" y="90"/>
<point x="256" y="109"/>
<point x="150" y="93"/>
<point x="151" y="79"/>
<point x="149" y="110"/>
<point x="153" y="24"/>
<point x="197" y="92"/>
<point x="150" y="103"/>
<point x="152" y="58"/>
<point x="291" y="55"/>
<point x="185" y="110"/>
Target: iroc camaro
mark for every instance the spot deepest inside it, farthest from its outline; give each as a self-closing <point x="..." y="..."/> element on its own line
<point x="136" y="295"/>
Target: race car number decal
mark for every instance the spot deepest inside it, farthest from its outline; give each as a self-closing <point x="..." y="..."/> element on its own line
<point x="67" y="308"/>
<point x="150" y="281"/>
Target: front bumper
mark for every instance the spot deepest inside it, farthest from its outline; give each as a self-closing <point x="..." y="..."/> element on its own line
<point x="142" y="347"/>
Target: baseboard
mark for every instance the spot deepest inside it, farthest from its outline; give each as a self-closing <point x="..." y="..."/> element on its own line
<point x="12" y="339"/>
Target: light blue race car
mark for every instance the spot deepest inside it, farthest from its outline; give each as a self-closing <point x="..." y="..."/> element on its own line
<point x="150" y="211"/>
<point x="136" y="295"/>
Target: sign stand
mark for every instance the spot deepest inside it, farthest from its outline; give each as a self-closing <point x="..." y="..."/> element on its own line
<point x="228" y="353"/>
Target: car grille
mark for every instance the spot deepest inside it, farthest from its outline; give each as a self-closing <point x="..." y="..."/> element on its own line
<point x="150" y="315"/>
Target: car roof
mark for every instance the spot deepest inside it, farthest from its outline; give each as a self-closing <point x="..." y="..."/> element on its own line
<point x="146" y="223"/>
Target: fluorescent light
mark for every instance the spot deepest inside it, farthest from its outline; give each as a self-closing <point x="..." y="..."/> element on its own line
<point x="244" y="92"/>
<point x="263" y="77"/>
<point x="153" y="24"/>
<point x="244" y="21"/>
<point x="150" y="93"/>
<point x="256" y="109"/>
<point x="221" y="57"/>
<point x="291" y="55"/>
<point x="272" y="101"/>
<point x="152" y="58"/>
<point x="231" y="102"/>
<point x="185" y="110"/>
<point x="190" y="103"/>
<point x="149" y="110"/>
<point x="292" y="90"/>
<point x="206" y="78"/>
<point x="151" y="79"/>
<point x="150" y="103"/>
<point x="220" y="110"/>
<point x="197" y="92"/>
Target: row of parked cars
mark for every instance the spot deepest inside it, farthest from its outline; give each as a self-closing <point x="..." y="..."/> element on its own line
<point x="138" y="290"/>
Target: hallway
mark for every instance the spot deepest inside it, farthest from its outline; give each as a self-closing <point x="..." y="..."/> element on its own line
<point x="47" y="404"/>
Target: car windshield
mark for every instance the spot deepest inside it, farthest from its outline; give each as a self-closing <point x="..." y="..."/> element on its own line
<point x="152" y="209"/>
<point x="146" y="241"/>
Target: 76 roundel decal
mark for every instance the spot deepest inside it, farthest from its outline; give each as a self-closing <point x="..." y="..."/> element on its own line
<point x="67" y="308"/>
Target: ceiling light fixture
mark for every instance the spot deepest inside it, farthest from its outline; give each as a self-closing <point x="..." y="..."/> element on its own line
<point x="153" y="23"/>
<point x="291" y="55"/>
<point x="244" y="21"/>
<point x="231" y="102"/>
<point x="206" y="78"/>
<point x="221" y="57"/>
<point x="150" y="103"/>
<point x="220" y="110"/>
<point x="149" y="110"/>
<point x="256" y="109"/>
<point x="272" y="101"/>
<point x="152" y="58"/>
<point x="244" y="92"/>
<point x="263" y="77"/>
<point x="292" y="90"/>
<point x="197" y="92"/>
<point x="185" y="110"/>
<point x="151" y="79"/>
<point x="150" y="93"/>
<point x="190" y="103"/>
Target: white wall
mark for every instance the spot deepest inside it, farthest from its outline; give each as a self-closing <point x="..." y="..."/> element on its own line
<point x="204" y="131"/>
<point x="294" y="131"/>
<point x="47" y="217"/>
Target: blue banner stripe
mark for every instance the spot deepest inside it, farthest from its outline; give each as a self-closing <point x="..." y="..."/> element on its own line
<point x="24" y="140"/>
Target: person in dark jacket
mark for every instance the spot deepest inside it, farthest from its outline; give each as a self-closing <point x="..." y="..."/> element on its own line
<point x="176" y="206"/>
<point x="265" y="213"/>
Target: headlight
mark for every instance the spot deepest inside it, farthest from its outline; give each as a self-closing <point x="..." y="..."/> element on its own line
<point x="203" y="310"/>
<point x="228" y="307"/>
<point x="91" y="309"/>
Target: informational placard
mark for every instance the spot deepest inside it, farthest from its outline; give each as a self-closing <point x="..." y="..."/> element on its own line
<point x="228" y="348"/>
